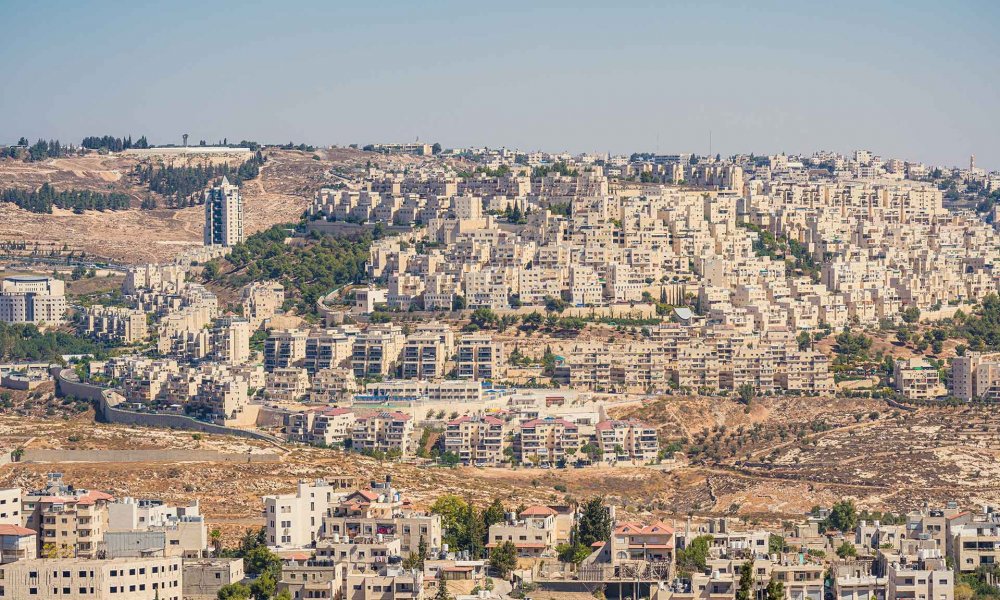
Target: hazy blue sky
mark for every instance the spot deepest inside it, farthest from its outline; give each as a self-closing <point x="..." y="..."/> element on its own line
<point x="912" y="79"/>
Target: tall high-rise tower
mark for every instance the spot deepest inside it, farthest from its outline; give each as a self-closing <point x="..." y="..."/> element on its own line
<point x="223" y="215"/>
<point x="972" y="162"/>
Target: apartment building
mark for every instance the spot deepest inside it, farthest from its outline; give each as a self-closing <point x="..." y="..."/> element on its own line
<point x="326" y="426"/>
<point x="284" y="348"/>
<point x="424" y="357"/>
<point x="10" y="506"/>
<point x="546" y="441"/>
<point x="332" y="385"/>
<point x="91" y="579"/>
<point x="261" y="301"/>
<point x="382" y="510"/>
<point x="204" y="578"/>
<point x="68" y="522"/>
<point x="180" y="529"/>
<point x="114" y="324"/>
<point x="376" y="351"/>
<point x="383" y="431"/>
<point x="478" y="440"/>
<point x="223" y="215"/>
<point x="32" y="299"/>
<point x="976" y="375"/>
<point x="975" y="541"/>
<point x="223" y="396"/>
<point x="287" y="384"/>
<point x="230" y="340"/>
<point x="802" y="581"/>
<point x="479" y="357"/>
<point x="296" y="520"/>
<point x="917" y="570"/>
<point x="917" y="379"/>
<point x="328" y="349"/>
<point x="627" y="441"/>
<point x="390" y="583"/>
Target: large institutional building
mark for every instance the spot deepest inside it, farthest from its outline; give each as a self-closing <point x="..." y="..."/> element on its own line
<point x="32" y="299"/>
<point x="223" y="215"/>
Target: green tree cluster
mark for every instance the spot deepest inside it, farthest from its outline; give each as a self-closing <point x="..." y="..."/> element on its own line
<point x="307" y="271"/>
<point x="46" y="197"/>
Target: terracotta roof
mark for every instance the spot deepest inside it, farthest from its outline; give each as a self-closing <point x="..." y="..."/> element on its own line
<point x="659" y="527"/>
<point x="548" y="421"/>
<point x="16" y="530"/>
<point x="537" y="511"/>
<point x="92" y="497"/>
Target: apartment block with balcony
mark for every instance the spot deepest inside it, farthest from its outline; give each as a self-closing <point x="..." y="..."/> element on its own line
<point x="284" y="348"/>
<point x="546" y="441"/>
<point x="383" y="431"/>
<point x="424" y="356"/>
<point x="383" y="511"/>
<point x="376" y="351"/>
<point x="69" y="522"/>
<point x="296" y="520"/>
<point x="627" y="441"/>
<point x="479" y="357"/>
<point x="477" y="440"/>
<point x="917" y="379"/>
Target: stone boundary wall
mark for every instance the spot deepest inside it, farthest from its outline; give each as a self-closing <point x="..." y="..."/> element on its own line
<point x="171" y="455"/>
<point x="69" y="385"/>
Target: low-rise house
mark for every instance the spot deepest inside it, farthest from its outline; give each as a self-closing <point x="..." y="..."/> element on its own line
<point x="533" y="532"/>
<point x="17" y="543"/>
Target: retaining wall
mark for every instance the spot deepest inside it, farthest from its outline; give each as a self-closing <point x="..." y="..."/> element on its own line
<point x="69" y="385"/>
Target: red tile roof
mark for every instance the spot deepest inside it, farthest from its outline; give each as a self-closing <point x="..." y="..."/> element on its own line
<point x="16" y="530"/>
<point x="537" y="510"/>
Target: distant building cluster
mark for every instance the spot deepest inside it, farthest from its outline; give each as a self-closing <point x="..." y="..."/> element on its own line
<point x="332" y="538"/>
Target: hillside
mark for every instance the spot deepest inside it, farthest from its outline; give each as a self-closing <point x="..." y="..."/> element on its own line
<point x="279" y="194"/>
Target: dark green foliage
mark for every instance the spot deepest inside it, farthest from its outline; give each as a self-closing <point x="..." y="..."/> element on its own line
<point x="44" y="198"/>
<point x="307" y="271"/>
<point x="113" y="144"/>
<point x="847" y="550"/>
<point x="694" y="557"/>
<point x="40" y="150"/>
<point x="595" y="522"/>
<point x="503" y="559"/>
<point x="843" y="516"/>
<point x="853" y="345"/>
<point x="180" y="184"/>
<point x="982" y="328"/>
<point x="775" y="590"/>
<point x="978" y="581"/>
<point x="745" y="591"/>
<point x="20" y="342"/>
